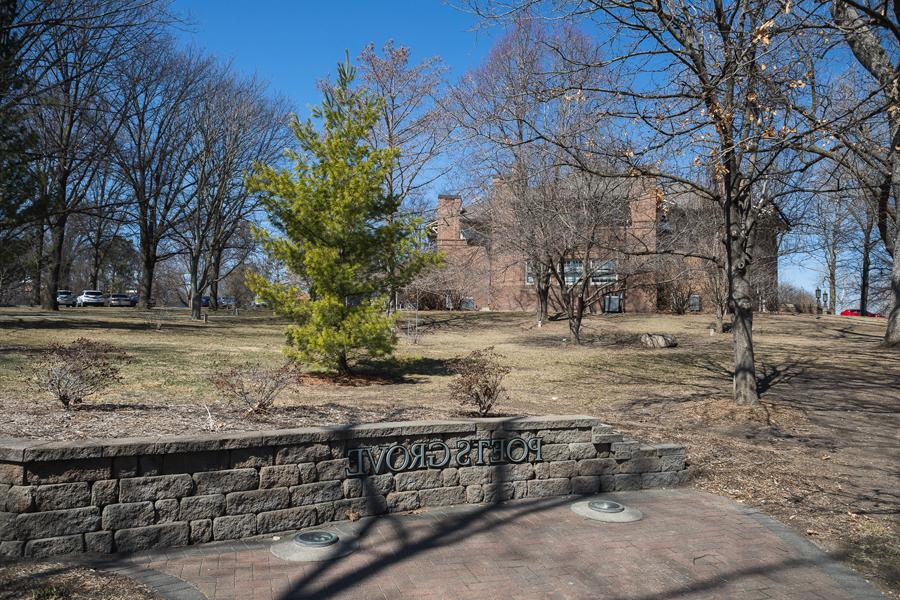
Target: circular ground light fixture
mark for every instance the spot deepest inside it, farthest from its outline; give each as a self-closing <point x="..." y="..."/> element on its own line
<point x="606" y="511"/>
<point x="318" y="538"/>
<point x="606" y="506"/>
<point x="315" y="545"/>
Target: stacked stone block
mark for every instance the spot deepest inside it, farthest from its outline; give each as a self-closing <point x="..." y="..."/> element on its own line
<point x="137" y="494"/>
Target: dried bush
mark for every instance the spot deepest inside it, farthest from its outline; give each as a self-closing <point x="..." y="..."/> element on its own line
<point x="74" y="372"/>
<point x="254" y="385"/>
<point x="479" y="378"/>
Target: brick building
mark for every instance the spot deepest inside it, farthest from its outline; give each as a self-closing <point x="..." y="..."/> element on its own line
<point x="492" y="279"/>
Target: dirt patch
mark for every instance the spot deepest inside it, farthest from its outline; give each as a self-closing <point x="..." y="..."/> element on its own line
<point x="56" y="581"/>
<point x="780" y="459"/>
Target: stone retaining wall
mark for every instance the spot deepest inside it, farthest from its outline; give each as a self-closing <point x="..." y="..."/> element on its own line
<point x="133" y="494"/>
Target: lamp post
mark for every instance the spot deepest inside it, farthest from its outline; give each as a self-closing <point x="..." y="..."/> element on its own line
<point x="818" y="302"/>
<point x="825" y="307"/>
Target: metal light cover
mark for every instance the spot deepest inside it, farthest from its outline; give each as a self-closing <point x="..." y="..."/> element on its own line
<point x="318" y="538"/>
<point x="606" y="506"/>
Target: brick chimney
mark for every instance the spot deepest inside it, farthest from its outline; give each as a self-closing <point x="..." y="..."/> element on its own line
<point x="449" y="230"/>
<point x="643" y="208"/>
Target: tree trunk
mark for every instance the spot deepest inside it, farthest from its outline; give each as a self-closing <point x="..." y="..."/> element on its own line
<point x="57" y="241"/>
<point x="343" y="364"/>
<point x="542" y="285"/>
<point x="216" y="267"/>
<point x="745" y="390"/>
<point x="148" y="265"/>
<point x="720" y="318"/>
<point x="195" y="291"/>
<point x="832" y="289"/>
<point x="37" y="274"/>
<point x="864" y="279"/>
<point x="576" y="315"/>
<point x="892" y="334"/>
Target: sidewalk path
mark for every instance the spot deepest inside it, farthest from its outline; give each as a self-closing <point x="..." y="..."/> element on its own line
<point x="689" y="545"/>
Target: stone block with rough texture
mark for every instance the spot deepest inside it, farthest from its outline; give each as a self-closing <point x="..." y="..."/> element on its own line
<point x="513" y="472"/>
<point x="193" y="508"/>
<point x="474" y="475"/>
<point x="55" y="523"/>
<point x="667" y="479"/>
<point x="225" y="482"/>
<point x="589" y="484"/>
<point x="287" y="519"/>
<point x="256" y="501"/>
<point x="20" y="498"/>
<point x="539" y="488"/>
<point x="105" y="492"/>
<point x="555" y="469"/>
<point x="249" y="458"/>
<point x="580" y="450"/>
<point x="418" y="480"/>
<point x="99" y="542"/>
<point x="307" y="472"/>
<point x="165" y="535"/>
<point x="279" y="476"/>
<point x="332" y="469"/>
<point x="474" y="494"/>
<point x="313" y="493"/>
<point x="510" y="490"/>
<point x="137" y="489"/>
<point x="67" y="471"/>
<point x="55" y="546"/>
<point x="12" y="549"/>
<point x="555" y="452"/>
<point x="445" y="496"/>
<point x="564" y="436"/>
<point x="62" y="495"/>
<point x="403" y="501"/>
<point x="302" y="454"/>
<point x="131" y="514"/>
<point x="234" y="527"/>
<point x="201" y="531"/>
<point x="450" y="476"/>
<point x="8" y="525"/>
<point x="598" y="466"/>
<point x="167" y="511"/>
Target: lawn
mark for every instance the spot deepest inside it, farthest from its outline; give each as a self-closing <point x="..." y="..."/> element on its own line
<point x="820" y="452"/>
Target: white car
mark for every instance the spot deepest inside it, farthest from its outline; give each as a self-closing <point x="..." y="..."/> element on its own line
<point x="91" y="298"/>
<point x="120" y="300"/>
<point x="65" y="298"/>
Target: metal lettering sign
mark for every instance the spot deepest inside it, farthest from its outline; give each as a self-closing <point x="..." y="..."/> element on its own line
<point x="375" y="460"/>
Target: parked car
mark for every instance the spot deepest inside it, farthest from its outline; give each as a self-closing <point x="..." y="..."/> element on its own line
<point x="259" y="302"/>
<point x="134" y="299"/>
<point x="852" y="312"/>
<point x="91" y="298"/>
<point x="120" y="300"/>
<point x="66" y="298"/>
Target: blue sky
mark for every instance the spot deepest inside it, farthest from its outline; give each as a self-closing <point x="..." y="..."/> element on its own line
<point x="293" y="44"/>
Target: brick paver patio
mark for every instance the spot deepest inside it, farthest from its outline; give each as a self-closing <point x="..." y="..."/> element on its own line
<point x="689" y="545"/>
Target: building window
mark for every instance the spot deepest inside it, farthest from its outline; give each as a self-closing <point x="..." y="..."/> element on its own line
<point x="603" y="272"/>
<point x="612" y="303"/>
<point x="572" y="271"/>
<point x="694" y="303"/>
<point x="529" y="273"/>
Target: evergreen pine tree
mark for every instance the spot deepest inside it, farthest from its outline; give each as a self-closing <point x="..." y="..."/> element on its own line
<point x="17" y="184"/>
<point x="337" y="232"/>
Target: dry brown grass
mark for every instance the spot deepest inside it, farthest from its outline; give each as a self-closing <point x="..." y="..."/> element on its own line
<point x="820" y="453"/>
<point x="56" y="581"/>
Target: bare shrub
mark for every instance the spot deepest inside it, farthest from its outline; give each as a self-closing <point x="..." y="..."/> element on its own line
<point x="74" y="372"/>
<point x="479" y="378"/>
<point x="254" y="385"/>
